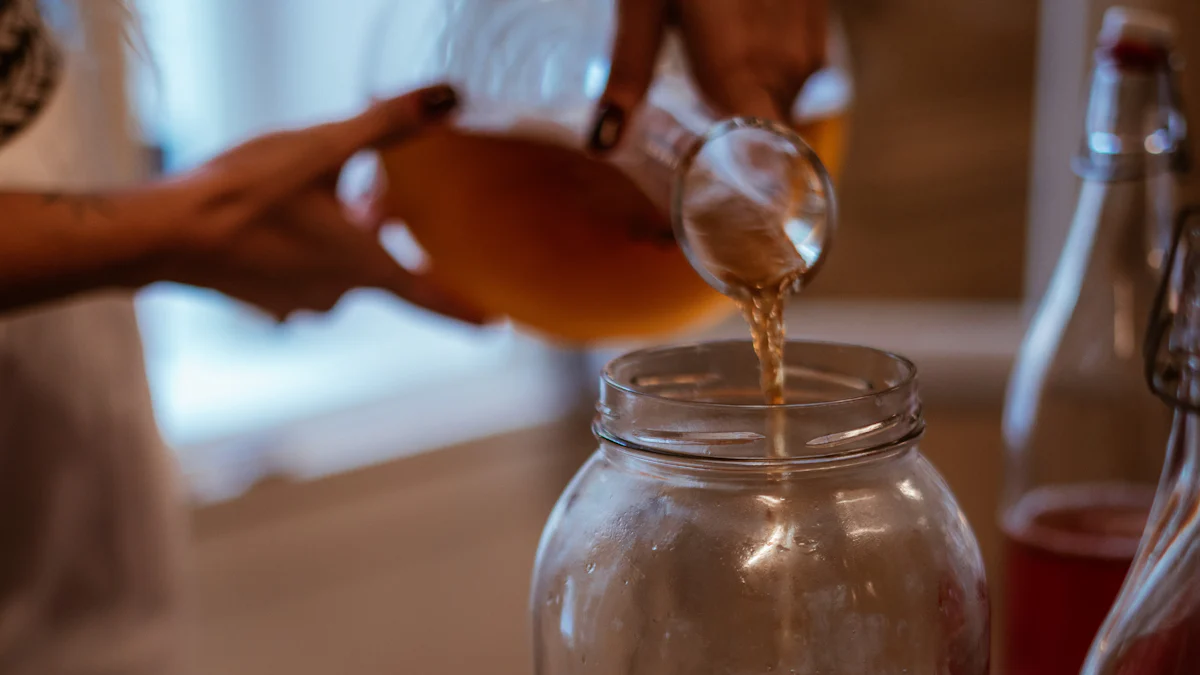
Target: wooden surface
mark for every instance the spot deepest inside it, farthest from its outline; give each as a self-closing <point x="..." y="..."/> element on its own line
<point x="419" y="566"/>
<point x="422" y="565"/>
<point x="934" y="191"/>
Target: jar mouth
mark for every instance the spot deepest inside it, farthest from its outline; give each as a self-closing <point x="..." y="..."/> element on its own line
<point x="704" y="400"/>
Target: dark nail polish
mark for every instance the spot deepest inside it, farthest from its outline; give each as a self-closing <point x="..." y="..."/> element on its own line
<point x="438" y="101"/>
<point x="609" y="127"/>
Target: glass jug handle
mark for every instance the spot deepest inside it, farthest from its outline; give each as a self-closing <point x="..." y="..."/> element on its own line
<point x="1154" y="620"/>
<point x="1173" y="333"/>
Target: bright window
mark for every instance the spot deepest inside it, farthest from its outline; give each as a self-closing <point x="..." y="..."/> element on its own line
<point x="236" y="394"/>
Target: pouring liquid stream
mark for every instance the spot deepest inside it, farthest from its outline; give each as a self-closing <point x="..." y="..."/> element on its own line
<point x="742" y="227"/>
<point x="753" y="206"/>
<point x="763" y="310"/>
<point x="753" y="210"/>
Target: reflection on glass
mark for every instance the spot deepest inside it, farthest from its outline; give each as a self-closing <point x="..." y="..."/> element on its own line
<point x="733" y="558"/>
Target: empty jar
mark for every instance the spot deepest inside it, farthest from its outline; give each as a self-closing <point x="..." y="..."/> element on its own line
<point x="710" y="533"/>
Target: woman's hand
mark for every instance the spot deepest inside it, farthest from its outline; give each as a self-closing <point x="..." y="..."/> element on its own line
<point x="263" y="222"/>
<point x="749" y="57"/>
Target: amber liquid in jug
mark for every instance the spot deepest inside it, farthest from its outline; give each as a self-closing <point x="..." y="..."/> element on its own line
<point x="558" y="242"/>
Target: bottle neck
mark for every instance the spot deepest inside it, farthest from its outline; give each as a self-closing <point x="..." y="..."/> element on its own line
<point x="1134" y="122"/>
<point x="1117" y="125"/>
<point x="1105" y="262"/>
<point x="1133" y="147"/>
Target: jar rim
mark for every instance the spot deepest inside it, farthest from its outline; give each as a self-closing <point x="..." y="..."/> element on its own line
<point x="609" y="378"/>
<point x="704" y="400"/>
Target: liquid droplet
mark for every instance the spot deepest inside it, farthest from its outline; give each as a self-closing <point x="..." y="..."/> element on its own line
<point x="591" y="567"/>
<point x="654" y="547"/>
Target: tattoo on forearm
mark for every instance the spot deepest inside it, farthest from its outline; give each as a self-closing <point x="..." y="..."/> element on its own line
<point x="81" y="204"/>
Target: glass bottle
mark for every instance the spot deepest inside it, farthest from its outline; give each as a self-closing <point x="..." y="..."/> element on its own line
<point x="1084" y="439"/>
<point x="689" y="543"/>
<point x="508" y="209"/>
<point x="1154" y="626"/>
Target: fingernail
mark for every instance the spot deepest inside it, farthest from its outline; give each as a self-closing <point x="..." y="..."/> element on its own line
<point x="609" y="126"/>
<point x="437" y="102"/>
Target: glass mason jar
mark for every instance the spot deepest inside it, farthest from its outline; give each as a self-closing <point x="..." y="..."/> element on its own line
<point x="690" y="543"/>
<point x="509" y="210"/>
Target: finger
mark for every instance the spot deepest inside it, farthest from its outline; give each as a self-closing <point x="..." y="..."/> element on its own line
<point x="310" y="302"/>
<point x="264" y="295"/>
<point x="376" y="268"/>
<point x="299" y="158"/>
<point x="392" y="120"/>
<point x="752" y="57"/>
<point x="422" y="291"/>
<point x="816" y="24"/>
<point x="639" y="35"/>
<point x="744" y="98"/>
<point x="281" y="300"/>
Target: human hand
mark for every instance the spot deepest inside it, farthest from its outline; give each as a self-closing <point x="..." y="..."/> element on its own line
<point x="263" y="222"/>
<point x="749" y="57"/>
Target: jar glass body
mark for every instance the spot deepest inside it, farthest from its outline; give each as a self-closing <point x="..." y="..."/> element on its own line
<point x="509" y="210"/>
<point x="689" y="544"/>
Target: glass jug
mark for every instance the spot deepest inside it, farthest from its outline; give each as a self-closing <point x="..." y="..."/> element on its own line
<point x="1154" y="626"/>
<point x="508" y="209"/>
<point x="687" y="544"/>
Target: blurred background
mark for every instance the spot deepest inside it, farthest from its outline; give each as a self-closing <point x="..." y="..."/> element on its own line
<point x="369" y="487"/>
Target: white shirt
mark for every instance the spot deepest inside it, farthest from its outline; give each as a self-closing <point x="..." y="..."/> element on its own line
<point x="90" y="533"/>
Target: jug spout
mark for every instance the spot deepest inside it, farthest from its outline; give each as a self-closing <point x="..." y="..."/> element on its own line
<point x="751" y="203"/>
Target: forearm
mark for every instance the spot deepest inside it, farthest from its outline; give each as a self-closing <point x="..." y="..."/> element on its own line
<point x="55" y="245"/>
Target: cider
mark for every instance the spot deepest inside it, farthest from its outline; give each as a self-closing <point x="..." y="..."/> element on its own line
<point x="557" y="241"/>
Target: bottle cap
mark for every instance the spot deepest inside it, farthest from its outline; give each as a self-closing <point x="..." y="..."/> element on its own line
<point x="1140" y="26"/>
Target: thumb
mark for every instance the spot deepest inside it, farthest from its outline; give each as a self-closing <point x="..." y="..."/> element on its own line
<point x="306" y="155"/>
<point x="392" y="120"/>
<point x="639" y="35"/>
